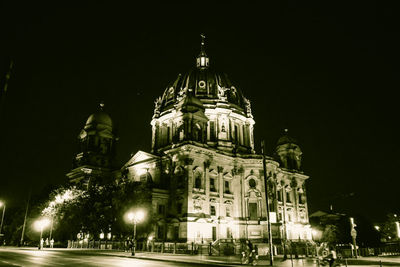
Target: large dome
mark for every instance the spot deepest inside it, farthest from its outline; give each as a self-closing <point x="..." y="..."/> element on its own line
<point x="211" y="87"/>
<point x="205" y="84"/>
<point x="204" y="107"/>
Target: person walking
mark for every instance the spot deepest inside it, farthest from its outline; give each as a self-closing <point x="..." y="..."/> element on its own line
<point x="332" y="256"/>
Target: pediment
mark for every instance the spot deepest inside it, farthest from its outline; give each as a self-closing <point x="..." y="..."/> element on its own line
<point x="140" y="156"/>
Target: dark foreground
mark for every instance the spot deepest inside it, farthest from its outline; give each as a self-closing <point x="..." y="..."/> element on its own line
<point x="54" y="258"/>
<point x="12" y="256"/>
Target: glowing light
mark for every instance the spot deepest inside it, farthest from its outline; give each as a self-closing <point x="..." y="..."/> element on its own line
<point x="1" y="203"/>
<point x="41" y="224"/>
<point x="377" y="227"/>
<point x="135" y="216"/>
<point x="150" y="238"/>
<point x="101" y="235"/>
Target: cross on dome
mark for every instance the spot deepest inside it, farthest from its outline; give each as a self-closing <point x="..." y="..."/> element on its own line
<point x="202" y="60"/>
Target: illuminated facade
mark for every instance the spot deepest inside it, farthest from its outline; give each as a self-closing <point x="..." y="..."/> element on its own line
<point x="207" y="180"/>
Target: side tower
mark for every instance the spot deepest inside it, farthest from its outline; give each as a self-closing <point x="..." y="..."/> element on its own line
<point x="96" y="150"/>
<point x="290" y="200"/>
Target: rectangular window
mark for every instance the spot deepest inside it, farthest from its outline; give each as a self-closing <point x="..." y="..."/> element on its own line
<point x="288" y="197"/>
<point x="160" y="232"/>
<point x="227" y="187"/>
<point x="179" y="208"/>
<point x="214" y="233"/>
<point x="228" y="211"/>
<point x="253" y="214"/>
<point x="228" y="232"/>
<point x="245" y="136"/>
<point x="279" y="195"/>
<point x="236" y="134"/>
<point x="212" y="211"/>
<point x="212" y="185"/>
<point x="161" y="209"/>
<point x="212" y="131"/>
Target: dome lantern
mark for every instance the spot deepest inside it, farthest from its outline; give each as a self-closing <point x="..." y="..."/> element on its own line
<point x="202" y="60"/>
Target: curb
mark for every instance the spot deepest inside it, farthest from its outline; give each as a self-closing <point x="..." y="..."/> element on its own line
<point x="210" y="263"/>
<point x="207" y="263"/>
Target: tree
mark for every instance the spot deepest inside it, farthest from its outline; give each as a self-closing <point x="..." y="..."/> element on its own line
<point x="331" y="234"/>
<point x="388" y="229"/>
<point x="99" y="209"/>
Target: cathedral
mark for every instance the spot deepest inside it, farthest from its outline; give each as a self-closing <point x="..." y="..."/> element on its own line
<point x="207" y="180"/>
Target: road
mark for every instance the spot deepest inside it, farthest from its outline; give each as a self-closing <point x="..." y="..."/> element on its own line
<point x="54" y="258"/>
<point x="26" y="257"/>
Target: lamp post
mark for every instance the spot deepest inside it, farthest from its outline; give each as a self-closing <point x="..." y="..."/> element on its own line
<point x="2" y="204"/>
<point x="271" y="253"/>
<point x="135" y="217"/>
<point x="353" y="234"/>
<point x="40" y="225"/>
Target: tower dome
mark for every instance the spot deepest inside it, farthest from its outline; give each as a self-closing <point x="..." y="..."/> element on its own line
<point x="286" y="139"/>
<point x="96" y="141"/>
<point x="288" y="152"/>
<point x="100" y="118"/>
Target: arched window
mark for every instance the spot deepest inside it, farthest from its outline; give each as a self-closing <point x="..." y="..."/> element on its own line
<point x="213" y="184"/>
<point x="198" y="179"/>
<point x="279" y="195"/>
<point x="289" y="196"/>
<point x="212" y="131"/>
<point x="302" y="198"/>
<point x="197" y="133"/>
<point x="252" y="183"/>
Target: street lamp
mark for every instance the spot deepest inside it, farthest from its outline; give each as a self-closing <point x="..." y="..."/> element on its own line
<point x="135" y="217"/>
<point x="40" y="224"/>
<point x="353" y="233"/>
<point x="2" y="204"/>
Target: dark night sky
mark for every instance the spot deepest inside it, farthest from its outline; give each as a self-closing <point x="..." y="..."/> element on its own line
<point x="327" y="71"/>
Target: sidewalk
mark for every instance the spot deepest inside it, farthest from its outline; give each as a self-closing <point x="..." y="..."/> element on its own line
<point x="220" y="260"/>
